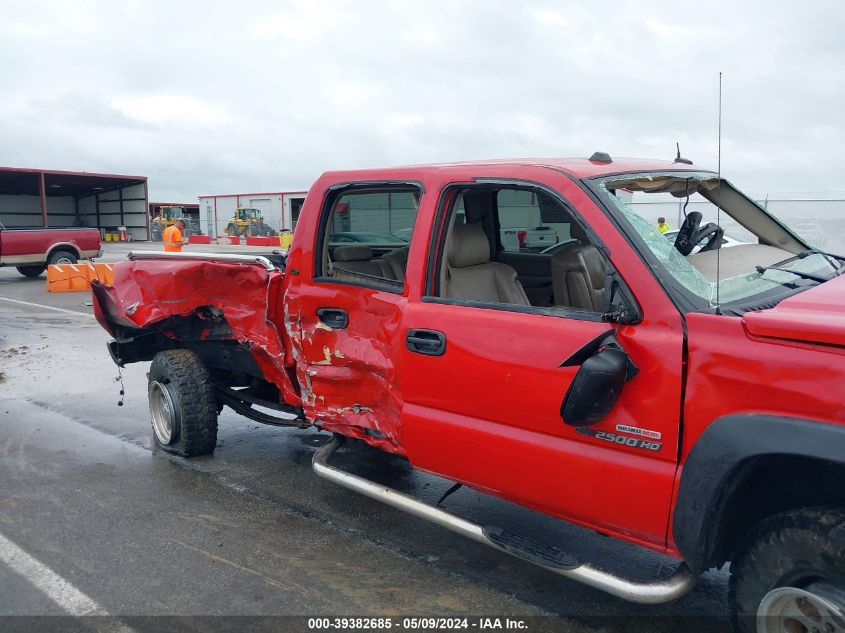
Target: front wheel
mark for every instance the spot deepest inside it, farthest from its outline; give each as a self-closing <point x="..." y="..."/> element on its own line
<point x="183" y="407"/>
<point x="790" y="574"/>
<point x="31" y="271"/>
<point x="232" y="230"/>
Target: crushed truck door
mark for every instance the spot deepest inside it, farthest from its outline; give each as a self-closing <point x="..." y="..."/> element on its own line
<point x="344" y="308"/>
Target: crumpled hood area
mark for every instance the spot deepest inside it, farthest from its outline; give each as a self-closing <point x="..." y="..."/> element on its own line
<point x="816" y="315"/>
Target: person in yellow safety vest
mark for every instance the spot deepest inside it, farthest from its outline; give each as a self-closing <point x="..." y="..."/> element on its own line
<point x="661" y="225"/>
<point x="172" y="237"/>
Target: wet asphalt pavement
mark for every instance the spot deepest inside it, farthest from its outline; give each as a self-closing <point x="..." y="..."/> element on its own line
<point x="250" y="530"/>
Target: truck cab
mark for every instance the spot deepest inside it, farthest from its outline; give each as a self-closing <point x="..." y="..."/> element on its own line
<point x="690" y="403"/>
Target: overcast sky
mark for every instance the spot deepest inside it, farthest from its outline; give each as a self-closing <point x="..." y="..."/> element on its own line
<point x="222" y="97"/>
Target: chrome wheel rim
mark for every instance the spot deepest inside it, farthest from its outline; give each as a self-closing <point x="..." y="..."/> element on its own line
<point x="64" y="260"/>
<point x="817" y="609"/>
<point x="163" y="411"/>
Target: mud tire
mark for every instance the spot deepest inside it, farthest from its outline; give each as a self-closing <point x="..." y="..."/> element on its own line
<point x="194" y="432"/>
<point x="31" y="271"/>
<point x="795" y="549"/>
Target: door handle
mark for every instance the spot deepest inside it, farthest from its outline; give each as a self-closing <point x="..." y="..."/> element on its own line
<point x="335" y="318"/>
<point x="428" y="342"/>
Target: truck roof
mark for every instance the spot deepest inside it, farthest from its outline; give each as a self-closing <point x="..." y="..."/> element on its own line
<point x="576" y="167"/>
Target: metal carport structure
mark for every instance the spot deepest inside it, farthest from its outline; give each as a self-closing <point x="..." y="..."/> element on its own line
<point x="55" y="198"/>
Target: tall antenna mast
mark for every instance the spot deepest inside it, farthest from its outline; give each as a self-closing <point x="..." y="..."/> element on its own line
<point x="718" y="194"/>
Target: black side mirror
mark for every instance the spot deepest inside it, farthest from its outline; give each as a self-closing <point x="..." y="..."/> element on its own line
<point x="597" y="386"/>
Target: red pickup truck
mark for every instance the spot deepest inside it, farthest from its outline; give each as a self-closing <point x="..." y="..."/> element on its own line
<point x="31" y="250"/>
<point x="691" y="403"/>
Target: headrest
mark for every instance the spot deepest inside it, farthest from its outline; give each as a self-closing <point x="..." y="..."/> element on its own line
<point x="584" y="258"/>
<point x="578" y="233"/>
<point x="468" y="246"/>
<point x="477" y="205"/>
<point x="353" y="253"/>
<point x="400" y="253"/>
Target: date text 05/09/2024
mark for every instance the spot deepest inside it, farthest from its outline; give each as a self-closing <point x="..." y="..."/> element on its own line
<point x="417" y="623"/>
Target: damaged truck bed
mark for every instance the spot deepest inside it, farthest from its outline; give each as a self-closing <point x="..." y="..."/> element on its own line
<point x="216" y="306"/>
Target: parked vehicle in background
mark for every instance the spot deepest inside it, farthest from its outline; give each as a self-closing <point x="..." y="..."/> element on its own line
<point x="404" y="234"/>
<point x="690" y="403"/>
<point x="527" y="239"/>
<point x="350" y="237"/>
<point x="31" y="250"/>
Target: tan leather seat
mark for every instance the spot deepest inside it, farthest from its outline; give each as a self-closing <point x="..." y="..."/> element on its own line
<point x="358" y="258"/>
<point x="397" y="260"/>
<point x="469" y="273"/>
<point x="579" y="275"/>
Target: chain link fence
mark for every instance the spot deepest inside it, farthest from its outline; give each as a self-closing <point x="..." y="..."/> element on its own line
<point x="818" y="218"/>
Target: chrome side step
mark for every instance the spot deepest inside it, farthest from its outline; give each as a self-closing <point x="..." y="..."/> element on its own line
<point x="675" y="586"/>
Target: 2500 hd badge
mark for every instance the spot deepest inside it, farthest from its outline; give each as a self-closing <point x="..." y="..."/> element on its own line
<point x="613" y="438"/>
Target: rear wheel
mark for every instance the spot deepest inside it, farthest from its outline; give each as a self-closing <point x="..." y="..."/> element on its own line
<point x="789" y="575"/>
<point x="31" y="271"/>
<point x="183" y="407"/>
<point x="62" y="257"/>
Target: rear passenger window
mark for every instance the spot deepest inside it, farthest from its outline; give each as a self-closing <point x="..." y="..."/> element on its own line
<point x="366" y="236"/>
<point x="530" y="222"/>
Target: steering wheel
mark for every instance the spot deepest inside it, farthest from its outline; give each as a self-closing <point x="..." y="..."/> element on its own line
<point x="713" y="234"/>
<point x="686" y="241"/>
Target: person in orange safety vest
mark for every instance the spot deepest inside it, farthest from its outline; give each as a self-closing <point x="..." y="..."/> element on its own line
<point x="172" y="237"/>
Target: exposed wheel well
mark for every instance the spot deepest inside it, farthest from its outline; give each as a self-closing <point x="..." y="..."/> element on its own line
<point x="64" y="247"/>
<point x="770" y="484"/>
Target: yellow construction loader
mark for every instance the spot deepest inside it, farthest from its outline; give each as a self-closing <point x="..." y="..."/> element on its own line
<point x="248" y="222"/>
<point x="167" y="216"/>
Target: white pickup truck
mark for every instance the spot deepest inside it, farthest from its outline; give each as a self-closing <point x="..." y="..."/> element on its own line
<point x="530" y="240"/>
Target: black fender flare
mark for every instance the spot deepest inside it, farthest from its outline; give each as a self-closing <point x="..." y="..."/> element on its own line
<point x="714" y="469"/>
